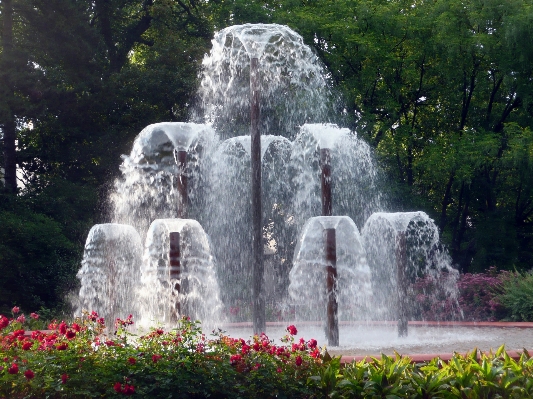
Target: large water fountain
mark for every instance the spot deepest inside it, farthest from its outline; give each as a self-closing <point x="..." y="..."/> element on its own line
<point x="185" y="192"/>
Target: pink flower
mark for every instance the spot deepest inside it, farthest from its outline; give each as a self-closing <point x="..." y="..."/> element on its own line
<point x="131" y="360"/>
<point x="279" y="370"/>
<point x="298" y="360"/>
<point x="93" y="317"/>
<point x="64" y="378"/>
<point x="312" y="343"/>
<point x="14" y="369"/>
<point x="292" y="330"/>
<point x="34" y="316"/>
<point x="21" y="318"/>
<point x="15" y="309"/>
<point x="29" y="374"/>
<point x="156" y="358"/>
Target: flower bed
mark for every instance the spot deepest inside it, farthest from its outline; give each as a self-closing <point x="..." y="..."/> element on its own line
<point x="77" y="360"/>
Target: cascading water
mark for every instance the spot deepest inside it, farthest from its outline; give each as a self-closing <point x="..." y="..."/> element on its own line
<point x="294" y="85"/>
<point x="147" y="189"/>
<point x="227" y="216"/>
<point x="192" y="286"/>
<point x="110" y="271"/>
<point x="307" y="287"/>
<point x="425" y="258"/>
<point x="295" y="97"/>
<point x="355" y="180"/>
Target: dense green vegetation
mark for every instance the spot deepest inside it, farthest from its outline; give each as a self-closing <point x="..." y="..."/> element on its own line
<point x="442" y="89"/>
<point x="76" y="360"/>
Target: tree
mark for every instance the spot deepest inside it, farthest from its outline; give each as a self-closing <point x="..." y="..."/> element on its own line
<point x="433" y="85"/>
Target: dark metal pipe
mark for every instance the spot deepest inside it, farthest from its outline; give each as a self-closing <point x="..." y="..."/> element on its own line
<point x="258" y="308"/>
<point x="401" y="281"/>
<point x="181" y="182"/>
<point x="332" y="325"/>
<point x="325" y="164"/>
<point x="174" y="255"/>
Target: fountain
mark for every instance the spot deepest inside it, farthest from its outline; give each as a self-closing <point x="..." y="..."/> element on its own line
<point x="185" y="191"/>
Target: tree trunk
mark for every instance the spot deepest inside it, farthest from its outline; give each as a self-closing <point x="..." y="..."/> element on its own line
<point x="8" y="118"/>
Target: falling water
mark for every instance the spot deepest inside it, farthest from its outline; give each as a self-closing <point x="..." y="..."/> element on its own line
<point x="307" y="283"/>
<point x="294" y="86"/>
<point x="110" y="271"/>
<point x="425" y="258"/>
<point x="296" y="114"/>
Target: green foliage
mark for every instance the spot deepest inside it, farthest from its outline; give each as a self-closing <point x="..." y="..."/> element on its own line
<point x="441" y="90"/>
<point x="78" y="360"/>
<point x="37" y="261"/>
<point x="515" y="293"/>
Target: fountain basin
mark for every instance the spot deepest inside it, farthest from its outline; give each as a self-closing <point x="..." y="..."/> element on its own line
<point x="426" y="340"/>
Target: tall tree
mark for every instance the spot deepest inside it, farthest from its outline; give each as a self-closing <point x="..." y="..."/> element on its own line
<point x="7" y="116"/>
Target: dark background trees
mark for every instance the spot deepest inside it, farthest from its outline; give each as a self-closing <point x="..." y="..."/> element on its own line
<point x="442" y="89"/>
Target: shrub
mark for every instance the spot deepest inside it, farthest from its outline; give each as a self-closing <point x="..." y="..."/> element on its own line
<point x="77" y="360"/>
<point x="515" y="294"/>
<point x="478" y="296"/>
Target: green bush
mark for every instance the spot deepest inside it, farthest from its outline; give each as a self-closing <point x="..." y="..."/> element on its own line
<point x="516" y="295"/>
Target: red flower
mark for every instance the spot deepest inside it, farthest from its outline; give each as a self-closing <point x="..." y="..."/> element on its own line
<point x="298" y="360"/>
<point x="292" y="330"/>
<point x="21" y="318"/>
<point x="128" y="389"/>
<point x="29" y="374"/>
<point x="27" y="345"/>
<point x="70" y="334"/>
<point x="62" y="327"/>
<point x="15" y="309"/>
<point x="256" y="346"/>
<point x="52" y="325"/>
<point x="4" y="322"/>
<point x="245" y="349"/>
<point x="64" y="378"/>
<point x="14" y="369"/>
<point x="131" y="360"/>
<point x="34" y="316"/>
<point x="156" y="358"/>
<point x="235" y="359"/>
<point x="62" y="347"/>
<point x="76" y="327"/>
<point x="315" y="353"/>
<point x="312" y="343"/>
<point x="117" y="387"/>
<point x="279" y="370"/>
